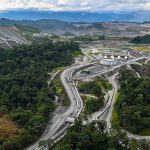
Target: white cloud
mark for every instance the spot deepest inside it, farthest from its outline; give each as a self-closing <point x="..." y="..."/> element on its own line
<point x="76" y="5"/>
<point x="147" y="6"/>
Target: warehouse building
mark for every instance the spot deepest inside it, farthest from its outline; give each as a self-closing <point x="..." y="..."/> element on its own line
<point x="108" y="62"/>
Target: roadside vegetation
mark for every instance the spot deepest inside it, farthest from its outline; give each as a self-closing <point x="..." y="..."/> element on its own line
<point x="93" y="136"/>
<point x="58" y="90"/>
<point x="105" y="85"/>
<point x="26" y="102"/>
<point x="92" y="104"/>
<point x="143" y="70"/>
<point x="93" y="94"/>
<point x="133" y="103"/>
<point x="115" y="115"/>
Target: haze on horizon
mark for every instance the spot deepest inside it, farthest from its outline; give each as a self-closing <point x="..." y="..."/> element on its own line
<point x="76" y="5"/>
<point x="76" y="10"/>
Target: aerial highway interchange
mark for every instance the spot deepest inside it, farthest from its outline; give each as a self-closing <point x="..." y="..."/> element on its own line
<point x="59" y="125"/>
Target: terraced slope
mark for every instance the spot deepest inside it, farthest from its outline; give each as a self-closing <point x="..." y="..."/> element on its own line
<point x="9" y="37"/>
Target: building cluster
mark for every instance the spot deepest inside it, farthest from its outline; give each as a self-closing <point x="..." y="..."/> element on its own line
<point x="108" y="62"/>
<point x="42" y="34"/>
<point x="112" y="58"/>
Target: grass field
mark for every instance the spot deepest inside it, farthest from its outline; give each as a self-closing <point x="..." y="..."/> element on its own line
<point x="142" y="48"/>
<point x="115" y="116"/>
<point x="145" y="132"/>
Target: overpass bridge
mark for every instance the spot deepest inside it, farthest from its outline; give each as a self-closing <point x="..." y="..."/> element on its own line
<point x="109" y="70"/>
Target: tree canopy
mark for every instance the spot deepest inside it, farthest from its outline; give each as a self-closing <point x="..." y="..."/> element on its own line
<point x="141" y="39"/>
<point x="134" y="103"/>
<point x="94" y="136"/>
<point x="25" y="99"/>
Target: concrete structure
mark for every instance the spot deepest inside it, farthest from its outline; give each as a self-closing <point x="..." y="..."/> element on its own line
<point x="70" y="120"/>
<point x="116" y="54"/>
<point x="108" y="62"/>
<point x="42" y="34"/>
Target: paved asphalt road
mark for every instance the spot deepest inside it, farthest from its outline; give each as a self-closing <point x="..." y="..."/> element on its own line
<point x="112" y="68"/>
<point x="107" y="108"/>
<point x="107" y="116"/>
<point x="58" y="124"/>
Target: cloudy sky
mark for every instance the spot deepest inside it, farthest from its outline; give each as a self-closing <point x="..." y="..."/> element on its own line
<point x="76" y="5"/>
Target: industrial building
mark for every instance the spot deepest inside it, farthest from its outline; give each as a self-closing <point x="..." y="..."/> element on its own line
<point x="108" y="62"/>
<point x="121" y="54"/>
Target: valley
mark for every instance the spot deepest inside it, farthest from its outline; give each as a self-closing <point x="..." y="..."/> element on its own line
<point x="58" y="78"/>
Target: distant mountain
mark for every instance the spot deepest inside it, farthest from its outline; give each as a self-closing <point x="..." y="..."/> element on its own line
<point x="139" y="16"/>
<point x="54" y="26"/>
<point x="43" y="24"/>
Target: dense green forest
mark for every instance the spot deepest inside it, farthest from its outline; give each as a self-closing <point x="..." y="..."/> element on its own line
<point x="25" y="100"/>
<point x="93" y="88"/>
<point x="94" y="137"/>
<point x="133" y="103"/>
<point x="141" y="39"/>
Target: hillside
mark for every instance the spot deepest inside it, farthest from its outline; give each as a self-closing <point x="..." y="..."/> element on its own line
<point x="26" y="29"/>
<point x="141" y="40"/>
<point x="133" y="102"/>
<point x="143" y="70"/>
<point x="53" y="26"/>
<point x="26" y="102"/>
<point x="10" y="37"/>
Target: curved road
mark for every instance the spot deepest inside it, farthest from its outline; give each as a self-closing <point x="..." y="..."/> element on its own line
<point x="58" y="127"/>
<point x="106" y="112"/>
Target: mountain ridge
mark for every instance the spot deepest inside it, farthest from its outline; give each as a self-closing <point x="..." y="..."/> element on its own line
<point x="135" y="16"/>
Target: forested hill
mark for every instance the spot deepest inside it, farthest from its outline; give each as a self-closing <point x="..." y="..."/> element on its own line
<point x="93" y="136"/>
<point x="25" y="100"/>
<point x="141" y="39"/>
<point x="133" y="103"/>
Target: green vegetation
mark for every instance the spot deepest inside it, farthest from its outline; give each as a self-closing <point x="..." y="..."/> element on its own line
<point x="145" y="132"/>
<point x="115" y="116"/>
<point x="141" y="48"/>
<point x="141" y="39"/>
<point x="92" y="104"/>
<point x="90" y="88"/>
<point x="58" y="89"/>
<point x="96" y="100"/>
<point x="27" y="29"/>
<point x="104" y="84"/>
<point x="94" y="137"/>
<point x="25" y="100"/>
<point x="68" y="34"/>
<point x="55" y="70"/>
<point x="143" y="70"/>
<point x="133" y="104"/>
